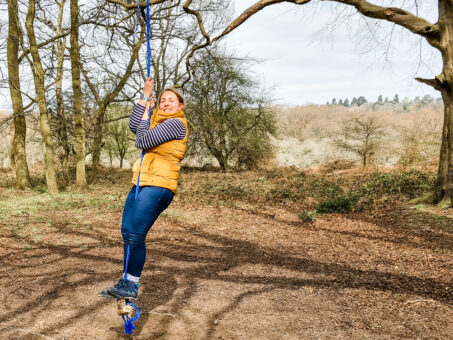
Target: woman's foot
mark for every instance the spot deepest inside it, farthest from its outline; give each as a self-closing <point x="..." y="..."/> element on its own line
<point x="124" y="289"/>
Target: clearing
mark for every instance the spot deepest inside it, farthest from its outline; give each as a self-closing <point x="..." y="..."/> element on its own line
<point x="217" y="271"/>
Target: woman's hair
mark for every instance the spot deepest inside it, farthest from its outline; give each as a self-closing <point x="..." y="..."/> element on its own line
<point x="178" y="94"/>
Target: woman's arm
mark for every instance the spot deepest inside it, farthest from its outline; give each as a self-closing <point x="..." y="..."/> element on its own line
<point x="140" y="111"/>
<point x="170" y="129"/>
<point x="136" y="117"/>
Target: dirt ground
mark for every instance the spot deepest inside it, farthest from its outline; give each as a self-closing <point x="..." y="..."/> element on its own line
<point x="226" y="272"/>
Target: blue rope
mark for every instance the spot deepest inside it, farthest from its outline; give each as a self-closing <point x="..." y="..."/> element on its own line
<point x="129" y="322"/>
<point x="128" y="253"/>
<point x="148" y="66"/>
<point x="136" y="21"/>
<point x="148" y="46"/>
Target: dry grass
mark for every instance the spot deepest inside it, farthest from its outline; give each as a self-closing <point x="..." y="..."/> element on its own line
<point x="307" y="134"/>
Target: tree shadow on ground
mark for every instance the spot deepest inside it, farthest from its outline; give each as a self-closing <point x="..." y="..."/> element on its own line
<point x="212" y="257"/>
<point x="434" y="231"/>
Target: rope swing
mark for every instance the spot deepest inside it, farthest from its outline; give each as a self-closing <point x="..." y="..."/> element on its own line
<point x="125" y="307"/>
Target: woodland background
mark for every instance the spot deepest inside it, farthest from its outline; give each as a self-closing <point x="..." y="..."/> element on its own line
<point x="289" y="222"/>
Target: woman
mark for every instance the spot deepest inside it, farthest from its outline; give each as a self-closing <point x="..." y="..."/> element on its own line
<point x="165" y="143"/>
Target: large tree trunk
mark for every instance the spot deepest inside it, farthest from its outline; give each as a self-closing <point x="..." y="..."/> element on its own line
<point x="444" y="186"/>
<point x="77" y="91"/>
<point x="62" y="130"/>
<point x="38" y="76"/>
<point x="20" y="127"/>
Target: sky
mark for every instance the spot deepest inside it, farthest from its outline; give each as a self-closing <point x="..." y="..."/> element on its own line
<point x="303" y="63"/>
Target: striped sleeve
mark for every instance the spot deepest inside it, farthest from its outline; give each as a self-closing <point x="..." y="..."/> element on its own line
<point x="136" y="117"/>
<point x="170" y="129"/>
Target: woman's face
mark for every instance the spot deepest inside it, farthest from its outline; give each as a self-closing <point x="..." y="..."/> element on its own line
<point x="169" y="102"/>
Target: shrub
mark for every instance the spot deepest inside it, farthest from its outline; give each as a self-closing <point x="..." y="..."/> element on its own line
<point x="308" y="216"/>
<point x="398" y="184"/>
<point x="341" y="204"/>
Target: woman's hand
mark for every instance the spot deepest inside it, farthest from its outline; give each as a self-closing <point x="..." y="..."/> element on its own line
<point x="146" y="113"/>
<point x="148" y="89"/>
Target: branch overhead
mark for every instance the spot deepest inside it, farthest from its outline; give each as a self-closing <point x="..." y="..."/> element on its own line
<point x="249" y="12"/>
<point x="398" y="16"/>
<point x="437" y="83"/>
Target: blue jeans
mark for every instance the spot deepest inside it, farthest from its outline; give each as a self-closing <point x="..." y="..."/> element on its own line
<point x="138" y="217"/>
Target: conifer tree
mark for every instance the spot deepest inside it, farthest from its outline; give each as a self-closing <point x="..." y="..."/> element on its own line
<point x="361" y="100"/>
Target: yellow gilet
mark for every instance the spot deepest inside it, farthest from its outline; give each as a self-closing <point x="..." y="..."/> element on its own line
<point x="161" y="165"/>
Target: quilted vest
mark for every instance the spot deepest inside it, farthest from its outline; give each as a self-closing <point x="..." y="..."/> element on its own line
<point x="161" y="165"/>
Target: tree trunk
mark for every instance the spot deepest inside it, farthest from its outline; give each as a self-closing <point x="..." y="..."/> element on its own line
<point x="444" y="186"/>
<point x="77" y="92"/>
<point x="62" y="130"/>
<point x="20" y="127"/>
<point x="97" y="138"/>
<point x="38" y="76"/>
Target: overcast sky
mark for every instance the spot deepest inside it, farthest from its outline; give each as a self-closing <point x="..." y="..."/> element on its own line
<point x="302" y="63"/>
<point x="305" y="64"/>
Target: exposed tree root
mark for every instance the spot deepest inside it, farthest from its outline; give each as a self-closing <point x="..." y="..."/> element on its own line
<point x="429" y="198"/>
<point x="445" y="202"/>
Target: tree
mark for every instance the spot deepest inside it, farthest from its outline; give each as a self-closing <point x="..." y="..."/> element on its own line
<point x="427" y="99"/>
<point x="396" y="99"/>
<point x="405" y="103"/>
<point x="63" y="148"/>
<point x="77" y="96"/>
<point x="379" y="100"/>
<point x="340" y="102"/>
<point x="119" y="138"/>
<point x="40" y="89"/>
<point x="107" y="70"/>
<point x="173" y="35"/>
<point x="361" y="100"/>
<point x="20" y="128"/>
<point x="361" y="135"/>
<point x="346" y="102"/>
<point x="229" y="119"/>
<point x="354" y="101"/>
<point x="334" y="101"/>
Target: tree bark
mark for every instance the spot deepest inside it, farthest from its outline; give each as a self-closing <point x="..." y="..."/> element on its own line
<point x="97" y="138"/>
<point x="77" y="93"/>
<point x="38" y="76"/>
<point x="444" y="82"/>
<point x="62" y="130"/>
<point x="20" y="127"/>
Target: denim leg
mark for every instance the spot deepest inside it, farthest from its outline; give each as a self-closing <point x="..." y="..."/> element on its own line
<point x="128" y="213"/>
<point x="150" y="203"/>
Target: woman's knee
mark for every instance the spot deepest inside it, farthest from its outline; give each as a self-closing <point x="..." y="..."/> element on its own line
<point x="136" y="239"/>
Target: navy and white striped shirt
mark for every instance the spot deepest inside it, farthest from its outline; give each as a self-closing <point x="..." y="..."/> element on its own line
<point x="170" y="129"/>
